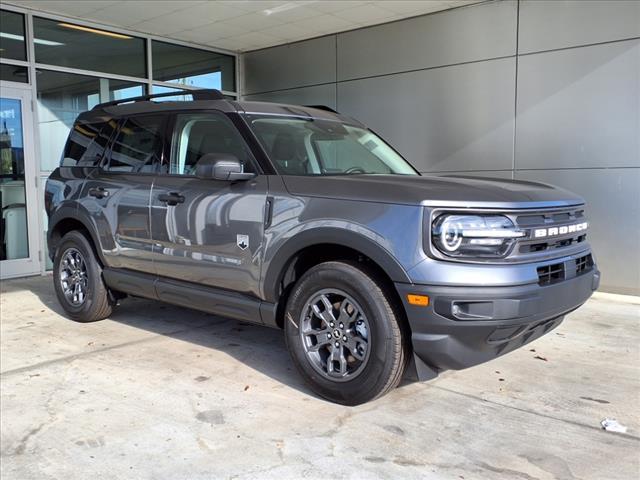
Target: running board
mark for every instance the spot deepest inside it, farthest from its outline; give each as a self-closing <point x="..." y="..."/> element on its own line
<point x="185" y="294"/>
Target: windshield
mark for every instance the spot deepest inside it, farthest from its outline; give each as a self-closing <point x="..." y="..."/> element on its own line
<point x="301" y="146"/>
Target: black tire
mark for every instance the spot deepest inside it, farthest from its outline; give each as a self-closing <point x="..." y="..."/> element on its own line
<point x="96" y="303"/>
<point x="387" y="348"/>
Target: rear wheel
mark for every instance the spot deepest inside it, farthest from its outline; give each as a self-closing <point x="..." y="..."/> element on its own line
<point x="344" y="334"/>
<point x="78" y="282"/>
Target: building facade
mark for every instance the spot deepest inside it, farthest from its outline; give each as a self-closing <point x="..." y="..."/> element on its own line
<point x="526" y="89"/>
<point x="546" y="91"/>
<point x="51" y="69"/>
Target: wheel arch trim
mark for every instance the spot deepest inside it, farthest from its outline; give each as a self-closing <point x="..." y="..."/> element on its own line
<point x="68" y="212"/>
<point x="277" y="266"/>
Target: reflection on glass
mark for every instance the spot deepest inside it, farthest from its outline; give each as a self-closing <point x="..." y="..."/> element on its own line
<point x="192" y="66"/>
<point x="77" y="46"/>
<point x="173" y="98"/>
<point x="12" y="44"/>
<point x="62" y="97"/>
<point x="179" y="97"/>
<point x="13" y="225"/>
<point x="13" y="73"/>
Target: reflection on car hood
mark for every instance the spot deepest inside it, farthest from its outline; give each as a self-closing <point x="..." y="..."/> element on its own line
<point x="457" y="191"/>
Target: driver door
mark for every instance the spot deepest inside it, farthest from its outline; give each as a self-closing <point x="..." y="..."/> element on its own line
<point x="207" y="231"/>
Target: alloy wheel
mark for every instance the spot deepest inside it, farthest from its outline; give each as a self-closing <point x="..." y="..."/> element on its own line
<point x="73" y="277"/>
<point x="335" y="334"/>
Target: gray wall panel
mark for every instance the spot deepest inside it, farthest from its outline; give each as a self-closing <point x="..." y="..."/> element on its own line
<point x="294" y="65"/>
<point x="316" y="95"/>
<point x="466" y="34"/>
<point x="445" y="119"/>
<point x="551" y="24"/>
<point x="613" y="199"/>
<point x="580" y="107"/>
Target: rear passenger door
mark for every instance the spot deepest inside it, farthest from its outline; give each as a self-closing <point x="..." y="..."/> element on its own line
<point x="117" y="194"/>
<point x="211" y="234"/>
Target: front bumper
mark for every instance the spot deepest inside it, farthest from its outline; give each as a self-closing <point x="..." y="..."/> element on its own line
<point x="465" y="326"/>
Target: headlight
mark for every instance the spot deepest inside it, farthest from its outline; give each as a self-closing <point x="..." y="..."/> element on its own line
<point x="474" y="235"/>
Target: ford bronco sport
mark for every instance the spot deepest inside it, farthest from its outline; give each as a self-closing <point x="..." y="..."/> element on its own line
<point x="302" y="219"/>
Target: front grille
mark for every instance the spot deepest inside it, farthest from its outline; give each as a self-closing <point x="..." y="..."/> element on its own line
<point x="550" y="245"/>
<point x="532" y="248"/>
<point x="532" y="221"/>
<point x="550" y="274"/>
<point x="557" y="272"/>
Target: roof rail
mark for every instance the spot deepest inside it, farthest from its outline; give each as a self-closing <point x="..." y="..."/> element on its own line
<point x="322" y="107"/>
<point x="200" y="94"/>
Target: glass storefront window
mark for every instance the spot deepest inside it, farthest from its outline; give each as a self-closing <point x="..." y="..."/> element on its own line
<point x="192" y="66"/>
<point x="13" y="223"/>
<point x="12" y="42"/>
<point x="13" y="73"/>
<point x="77" y="46"/>
<point x="62" y="97"/>
<point x="185" y="96"/>
<point x="91" y="53"/>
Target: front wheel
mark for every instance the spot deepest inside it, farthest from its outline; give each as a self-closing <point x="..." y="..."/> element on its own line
<point x="344" y="334"/>
<point x="78" y="282"/>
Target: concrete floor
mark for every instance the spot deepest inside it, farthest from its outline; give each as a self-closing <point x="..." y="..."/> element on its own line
<point x="161" y="392"/>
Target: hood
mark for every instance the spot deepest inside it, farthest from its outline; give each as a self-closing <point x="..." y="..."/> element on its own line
<point x="453" y="191"/>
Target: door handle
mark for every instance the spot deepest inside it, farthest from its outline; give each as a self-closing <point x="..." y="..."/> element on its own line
<point x="99" y="192"/>
<point x="171" y="198"/>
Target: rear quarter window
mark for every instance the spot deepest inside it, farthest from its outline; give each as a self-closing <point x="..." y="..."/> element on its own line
<point x="87" y="142"/>
<point x="136" y="147"/>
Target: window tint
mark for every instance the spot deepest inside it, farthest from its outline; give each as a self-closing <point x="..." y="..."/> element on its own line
<point x="86" y="143"/>
<point x="12" y="44"/>
<point x="192" y="66"/>
<point x="136" y="147"/>
<point x="340" y="155"/>
<point x="79" y="46"/>
<point x="196" y="135"/>
<point x="13" y="73"/>
<point x="301" y="146"/>
<point x="62" y="97"/>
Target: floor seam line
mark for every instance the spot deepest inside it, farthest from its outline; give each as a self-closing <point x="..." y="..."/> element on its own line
<point x="70" y="358"/>
<point x="523" y="410"/>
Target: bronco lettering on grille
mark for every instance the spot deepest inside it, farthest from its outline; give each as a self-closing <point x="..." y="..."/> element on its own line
<point x="554" y="231"/>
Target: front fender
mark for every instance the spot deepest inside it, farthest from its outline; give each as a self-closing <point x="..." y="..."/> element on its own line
<point x="344" y="234"/>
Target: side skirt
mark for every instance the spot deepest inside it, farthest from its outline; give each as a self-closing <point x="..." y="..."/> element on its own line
<point x="207" y="299"/>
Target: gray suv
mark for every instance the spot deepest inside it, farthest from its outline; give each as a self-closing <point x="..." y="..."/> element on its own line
<point x="303" y="219"/>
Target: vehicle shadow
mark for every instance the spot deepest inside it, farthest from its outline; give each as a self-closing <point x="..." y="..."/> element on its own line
<point x="261" y="348"/>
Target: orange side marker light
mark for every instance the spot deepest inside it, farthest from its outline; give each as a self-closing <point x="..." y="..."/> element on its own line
<point x="418" y="300"/>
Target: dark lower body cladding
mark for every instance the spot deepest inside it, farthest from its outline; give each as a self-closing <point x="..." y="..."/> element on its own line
<point x="465" y="326"/>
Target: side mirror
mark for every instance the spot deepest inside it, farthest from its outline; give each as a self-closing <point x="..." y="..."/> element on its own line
<point x="221" y="166"/>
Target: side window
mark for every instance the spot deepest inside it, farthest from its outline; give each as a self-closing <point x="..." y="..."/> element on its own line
<point x="198" y="134"/>
<point x="86" y="143"/>
<point x="137" y="145"/>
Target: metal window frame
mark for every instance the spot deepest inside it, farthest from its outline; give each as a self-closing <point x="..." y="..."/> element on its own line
<point x="148" y="38"/>
<point x="32" y="66"/>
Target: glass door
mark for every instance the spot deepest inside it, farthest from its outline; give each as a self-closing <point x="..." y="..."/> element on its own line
<point x="18" y="196"/>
